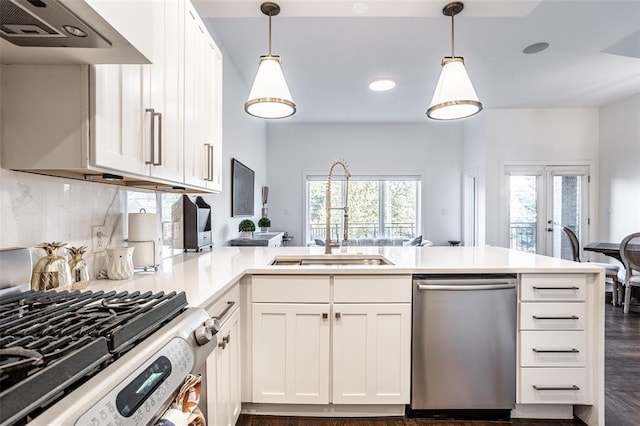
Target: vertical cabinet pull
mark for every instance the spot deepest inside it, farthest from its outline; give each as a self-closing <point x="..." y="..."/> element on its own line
<point x="159" y="163"/>
<point x="152" y="136"/>
<point x="209" y="176"/>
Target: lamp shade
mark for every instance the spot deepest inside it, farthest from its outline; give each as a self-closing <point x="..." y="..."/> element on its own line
<point x="270" y="96"/>
<point x="454" y="96"/>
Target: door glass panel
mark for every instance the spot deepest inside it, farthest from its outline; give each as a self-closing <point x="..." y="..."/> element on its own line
<point x="567" y="201"/>
<point x="523" y="213"/>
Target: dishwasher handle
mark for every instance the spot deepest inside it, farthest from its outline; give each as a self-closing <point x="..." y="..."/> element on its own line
<point x="475" y="287"/>
<point x="433" y="285"/>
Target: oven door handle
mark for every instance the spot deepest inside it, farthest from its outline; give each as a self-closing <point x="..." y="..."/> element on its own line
<point x="230" y="304"/>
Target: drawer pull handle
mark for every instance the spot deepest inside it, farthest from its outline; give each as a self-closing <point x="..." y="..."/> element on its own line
<point x="556" y="288"/>
<point x="556" y="351"/>
<point x="572" y="317"/>
<point x="556" y="388"/>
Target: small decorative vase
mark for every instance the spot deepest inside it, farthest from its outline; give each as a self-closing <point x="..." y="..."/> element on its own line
<point x="264" y="229"/>
<point x="79" y="268"/>
<point x="246" y="234"/>
<point x="52" y="271"/>
<point x="120" y="263"/>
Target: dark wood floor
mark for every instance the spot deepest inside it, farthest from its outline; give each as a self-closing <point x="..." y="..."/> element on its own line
<point x="622" y="387"/>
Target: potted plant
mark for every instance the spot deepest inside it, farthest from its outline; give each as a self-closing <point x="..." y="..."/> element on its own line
<point x="264" y="223"/>
<point x="246" y="228"/>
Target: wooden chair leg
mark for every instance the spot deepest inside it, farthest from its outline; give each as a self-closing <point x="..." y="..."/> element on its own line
<point x="614" y="291"/>
<point x="627" y="298"/>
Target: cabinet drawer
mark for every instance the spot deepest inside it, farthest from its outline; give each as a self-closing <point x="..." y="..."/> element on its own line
<point x="219" y="309"/>
<point x="372" y="289"/>
<point x="553" y="348"/>
<point x="552" y="316"/>
<point x="290" y="288"/>
<point x="554" y="386"/>
<point x="553" y="287"/>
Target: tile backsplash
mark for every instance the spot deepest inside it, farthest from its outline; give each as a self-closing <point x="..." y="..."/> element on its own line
<point x="36" y="209"/>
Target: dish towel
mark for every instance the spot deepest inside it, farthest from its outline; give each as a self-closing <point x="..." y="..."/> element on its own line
<point x="184" y="410"/>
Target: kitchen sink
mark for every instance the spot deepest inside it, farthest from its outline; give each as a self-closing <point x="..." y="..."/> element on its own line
<point x="331" y="259"/>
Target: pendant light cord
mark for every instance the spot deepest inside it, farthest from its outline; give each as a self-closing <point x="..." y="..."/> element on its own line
<point x="269" y="33"/>
<point x="452" y="37"/>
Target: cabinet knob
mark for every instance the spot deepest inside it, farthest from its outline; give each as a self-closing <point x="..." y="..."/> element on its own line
<point x="338" y="315"/>
<point x="325" y="315"/>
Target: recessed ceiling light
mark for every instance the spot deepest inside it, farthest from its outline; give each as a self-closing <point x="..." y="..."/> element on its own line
<point x="360" y="8"/>
<point x="535" y="48"/>
<point x="382" y="85"/>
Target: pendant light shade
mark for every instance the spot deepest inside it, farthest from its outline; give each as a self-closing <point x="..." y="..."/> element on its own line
<point x="454" y="96"/>
<point x="270" y="96"/>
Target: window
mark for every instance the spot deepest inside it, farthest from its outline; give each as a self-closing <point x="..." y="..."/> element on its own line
<point x="378" y="206"/>
<point x="153" y="202"/>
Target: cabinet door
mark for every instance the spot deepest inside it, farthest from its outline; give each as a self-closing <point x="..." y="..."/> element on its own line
<point x="165" y="94"/>
<point x="202" y="105"/>
<point x="371" y="353"/>
<point x="290" y="353"/>
<point x="228" y="373"/>
<point x="118" y="133"/>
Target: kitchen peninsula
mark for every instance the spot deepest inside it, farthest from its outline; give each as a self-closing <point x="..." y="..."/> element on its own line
<point x="546" y="386"/>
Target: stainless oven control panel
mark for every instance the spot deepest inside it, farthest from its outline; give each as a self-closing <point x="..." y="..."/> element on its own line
<point x="137" y="400"/>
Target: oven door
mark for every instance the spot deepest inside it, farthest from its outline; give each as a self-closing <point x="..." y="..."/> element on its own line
<point x="139" y="387"/>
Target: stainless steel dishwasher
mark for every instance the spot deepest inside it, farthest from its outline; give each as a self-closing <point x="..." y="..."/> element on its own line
<point x="463" y="345"/>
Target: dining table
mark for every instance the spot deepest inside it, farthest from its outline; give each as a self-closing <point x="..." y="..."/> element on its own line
<point x="613" y="250"/>
<point x="608" y="249"/>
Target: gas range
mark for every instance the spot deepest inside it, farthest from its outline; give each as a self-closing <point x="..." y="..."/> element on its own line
<point x="66" y="346"/>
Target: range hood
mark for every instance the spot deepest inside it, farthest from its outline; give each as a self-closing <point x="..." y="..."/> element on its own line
<point x="74" y="32"/>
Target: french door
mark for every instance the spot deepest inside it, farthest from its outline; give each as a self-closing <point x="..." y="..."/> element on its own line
<point x="541" y="201"/>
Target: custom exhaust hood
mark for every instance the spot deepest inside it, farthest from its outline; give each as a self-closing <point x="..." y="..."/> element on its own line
<point x="73" y="32"/>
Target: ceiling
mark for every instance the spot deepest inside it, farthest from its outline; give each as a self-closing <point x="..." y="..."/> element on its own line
<point x="330" y="53"/>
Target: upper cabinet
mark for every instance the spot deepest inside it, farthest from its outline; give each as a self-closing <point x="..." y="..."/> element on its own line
<point x="156" y="126"/>
<point x="117" y="32"/>
<point x="202" y="105"/>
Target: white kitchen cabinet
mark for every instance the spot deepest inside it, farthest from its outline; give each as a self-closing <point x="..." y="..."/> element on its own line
<point x="553" y="340"/>
<point x="227" y="384"/>
<point x="308" y="333"/>
<point x="371" y="353"/>
<point x="223" y="375"/>
<point x="132" y="121"/>
<point x="202" y="105"/>
<point x="290" y="353"/>
<point x="137" y="108"/>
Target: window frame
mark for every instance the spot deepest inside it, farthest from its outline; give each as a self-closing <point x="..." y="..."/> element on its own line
<point x="308" y="177"/>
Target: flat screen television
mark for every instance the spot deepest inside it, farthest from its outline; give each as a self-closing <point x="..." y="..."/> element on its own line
<point x="242" y="181"/>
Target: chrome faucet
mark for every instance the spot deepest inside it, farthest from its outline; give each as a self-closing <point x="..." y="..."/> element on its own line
<point x="328" y="244"/>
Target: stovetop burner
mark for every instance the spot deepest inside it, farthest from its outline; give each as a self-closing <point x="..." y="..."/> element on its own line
<point x="51" y="342"/>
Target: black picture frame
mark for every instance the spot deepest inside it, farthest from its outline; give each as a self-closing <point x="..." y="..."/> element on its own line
<point x="242" y="187"/>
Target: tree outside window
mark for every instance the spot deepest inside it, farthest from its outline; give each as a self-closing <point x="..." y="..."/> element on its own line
<point x="378" y="207"/>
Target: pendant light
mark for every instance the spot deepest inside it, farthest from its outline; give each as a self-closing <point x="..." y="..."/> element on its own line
<point x="270" y="96"/>
<point x="454" y="97"/>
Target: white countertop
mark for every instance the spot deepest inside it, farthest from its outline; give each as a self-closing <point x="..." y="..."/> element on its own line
<point x="205" y="276"/>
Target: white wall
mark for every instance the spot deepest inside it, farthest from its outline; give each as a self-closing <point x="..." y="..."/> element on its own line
<point x="521" y="136"/>
<point x="432" y="150"/>
<point x="619" y="207"/>
<point x="473" y="164"/>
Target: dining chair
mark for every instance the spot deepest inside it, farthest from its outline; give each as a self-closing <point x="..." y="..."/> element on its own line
<point x="611" y="270"/>
<point x="631" y="262"/>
